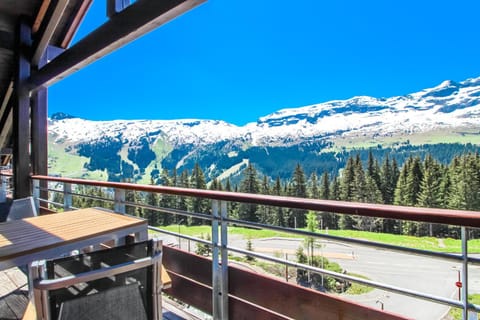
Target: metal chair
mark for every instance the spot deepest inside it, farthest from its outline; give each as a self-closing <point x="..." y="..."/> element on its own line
<point x="117" y="283"/>
<point x="22" y="208"/>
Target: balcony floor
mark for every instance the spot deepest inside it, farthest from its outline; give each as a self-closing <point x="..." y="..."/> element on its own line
<point x="14" y="298"/>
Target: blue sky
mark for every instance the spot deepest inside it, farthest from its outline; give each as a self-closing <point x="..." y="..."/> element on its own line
<point x="238" y="60"/>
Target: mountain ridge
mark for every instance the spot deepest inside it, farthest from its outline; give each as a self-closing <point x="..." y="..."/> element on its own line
<point x="149" y="145"/>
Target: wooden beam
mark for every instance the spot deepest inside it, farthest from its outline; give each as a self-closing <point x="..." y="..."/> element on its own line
<point x="6" y="128"/>
<point x="130" y="24"/>
<point x="115" y="6"/>
<point x="40" y="15"/>
<point x="75" y="23"/>
<point x="47" y="30"/>
<point x="21" y="116"/>
<point x="6" y="98"/>
<point x="6" y="40"/>
<point x="39" y="125"/>
<point x="39" y="132"/>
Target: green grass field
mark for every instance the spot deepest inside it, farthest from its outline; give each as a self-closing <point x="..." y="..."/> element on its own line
<point x="63" y="163"/>
<point x="424" y="243"/>
<point x="458" y="135"/>
<point x="456" y="313"/>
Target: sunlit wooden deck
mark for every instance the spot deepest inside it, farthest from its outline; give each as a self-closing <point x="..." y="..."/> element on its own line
<point x="13" y="294"/>
<point x="14" y="298"/>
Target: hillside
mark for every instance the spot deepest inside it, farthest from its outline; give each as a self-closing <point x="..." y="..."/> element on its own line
<point x="442" y="120"/>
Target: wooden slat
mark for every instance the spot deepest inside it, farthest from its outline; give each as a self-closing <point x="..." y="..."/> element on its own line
<point x="13" y="293"/>
<point x="30" y="312"/>
<point x="166" y="279"/>
<point x="252" y="294"/>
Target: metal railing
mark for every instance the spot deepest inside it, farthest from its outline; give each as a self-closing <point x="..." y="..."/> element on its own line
<point x="220" y="220"/>
<point x="6" y="184"/>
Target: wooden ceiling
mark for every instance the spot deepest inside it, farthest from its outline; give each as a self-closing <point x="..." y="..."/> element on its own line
<point x="53" y="23"/>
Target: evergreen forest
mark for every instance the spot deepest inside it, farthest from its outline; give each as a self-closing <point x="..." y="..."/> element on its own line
<point x="421" y="182"/>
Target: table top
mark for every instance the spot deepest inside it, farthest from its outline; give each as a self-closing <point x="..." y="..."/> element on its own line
<point x="28" y="238"/>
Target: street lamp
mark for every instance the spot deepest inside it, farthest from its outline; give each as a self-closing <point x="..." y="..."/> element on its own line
<point x="380" y="302"/>
<point x="179" y="223"/>
<point x="458" y="283"/>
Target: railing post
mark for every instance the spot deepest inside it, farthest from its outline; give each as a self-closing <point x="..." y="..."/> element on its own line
<point x="3" y="190"/>
<point x="219" y="281"/>
<point x="224" y="256"/>
<point x="464" y="272"/>
<point x="36" y="194"/>
<point x="67" y="196"/>
<point x="119" y="200"/>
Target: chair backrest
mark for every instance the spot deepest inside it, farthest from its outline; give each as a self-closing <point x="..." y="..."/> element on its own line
<point x="118" y="283"/>
<point x="22" y="208"/>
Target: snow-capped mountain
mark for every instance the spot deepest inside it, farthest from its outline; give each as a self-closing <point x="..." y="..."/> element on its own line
<point x="447" y="106"/>
<point x="450" y="104"/>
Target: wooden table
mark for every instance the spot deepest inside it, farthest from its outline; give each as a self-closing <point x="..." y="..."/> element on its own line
<point x="50" y="236"/>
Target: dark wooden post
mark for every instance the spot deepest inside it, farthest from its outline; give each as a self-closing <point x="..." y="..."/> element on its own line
<point x="40" y="138"/>
<point x="115" y="6"/>
<point x="21" y="115"/>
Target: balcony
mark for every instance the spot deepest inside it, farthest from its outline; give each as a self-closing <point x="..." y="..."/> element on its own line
<point x="407" y="282"/>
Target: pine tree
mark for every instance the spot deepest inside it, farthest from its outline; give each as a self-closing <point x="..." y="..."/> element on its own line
<point x="465" y="179"/>
<point x="151" y="215"/>
<point x="314" y="190"/>
<point x="215" y="185"/>
<point x="401" y="188"/>
<point x="407" y="191"/>
<point x="249" y="184"/>
<point x="232" y="207"/>
<point x="298" y="189"/>
<point x="166" y="200"/>
<point x="329" y="219"/>
<point x="132" y="197"/>
<point x="414" y="178"/>
<point x="372" y="195"/>
<point x="373" y="169"/>
<point x="199" y="205"/>
<point x="335" y="189"/>
<point x="279" y="219"/>
<point x="265" y="215"/>
<point x="347" y="182"/>
<point x="228" y="186"/>
<point x="325" y="186"/>
<point x="429" y="195"/>
<point x="387" y="183"/>
<point x="359" y="194"/>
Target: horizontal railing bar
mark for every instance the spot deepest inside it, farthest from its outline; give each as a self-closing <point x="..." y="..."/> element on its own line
<point x="58" y="204"/>
<point x="172" y="211"/>
<point x="440" y="255"/>
<point x="442" y="216"/>
<point x="391" y="288"/>
<point x="433" y="254"/>
<point x="171" y="233"/>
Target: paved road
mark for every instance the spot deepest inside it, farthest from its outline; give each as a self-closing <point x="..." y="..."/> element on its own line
<point x="419" y="273"/>
<point x="428" y="275"/>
